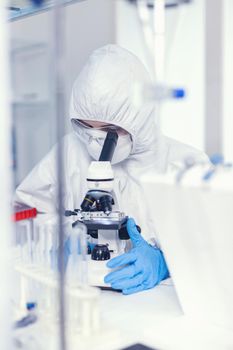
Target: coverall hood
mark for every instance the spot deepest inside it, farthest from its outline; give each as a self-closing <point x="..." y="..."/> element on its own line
<point x="104" y="91"/>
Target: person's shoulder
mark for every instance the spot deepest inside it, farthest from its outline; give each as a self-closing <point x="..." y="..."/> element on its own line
<point x="178" y="152"/>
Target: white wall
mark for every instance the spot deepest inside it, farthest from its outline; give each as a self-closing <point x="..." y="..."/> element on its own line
<point x="184" y="66"/>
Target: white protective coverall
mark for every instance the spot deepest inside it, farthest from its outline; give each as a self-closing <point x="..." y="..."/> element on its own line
<point x="103" y="92"/>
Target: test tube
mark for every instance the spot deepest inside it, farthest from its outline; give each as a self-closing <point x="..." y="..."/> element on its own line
<point x="77" y="269"/>
<point x="24" y="236"/>
<point x="76" y="275"/>
<point x="83" y="300"/>
<point x="49" y="247"/>
<point x="24" y="239"/>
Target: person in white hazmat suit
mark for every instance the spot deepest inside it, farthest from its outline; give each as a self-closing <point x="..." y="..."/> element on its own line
<point x="102" y="99"/>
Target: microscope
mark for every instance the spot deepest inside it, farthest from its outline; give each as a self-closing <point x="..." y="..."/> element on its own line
<point x="105" y="223"/>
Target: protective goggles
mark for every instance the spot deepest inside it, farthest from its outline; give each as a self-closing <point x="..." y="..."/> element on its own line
<point x="106" y="128"/>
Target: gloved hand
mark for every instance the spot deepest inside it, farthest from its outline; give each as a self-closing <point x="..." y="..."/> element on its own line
<point x="141" y="268"/>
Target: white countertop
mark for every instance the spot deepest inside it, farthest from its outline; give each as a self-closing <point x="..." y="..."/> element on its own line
<point x="134" y="314"/>
<point x="153" y="318"/>
<point x="124" y="320"/>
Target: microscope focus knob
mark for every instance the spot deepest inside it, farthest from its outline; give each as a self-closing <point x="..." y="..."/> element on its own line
<point x="100" y="252"/>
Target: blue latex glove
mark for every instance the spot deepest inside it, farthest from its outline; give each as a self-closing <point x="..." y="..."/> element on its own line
<point x="141" y="268"/>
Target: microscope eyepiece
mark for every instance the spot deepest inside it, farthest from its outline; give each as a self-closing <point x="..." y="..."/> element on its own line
<point x="109" y="147"/>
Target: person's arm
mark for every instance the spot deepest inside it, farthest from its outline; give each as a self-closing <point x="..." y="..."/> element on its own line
<point x="38" y="189"/>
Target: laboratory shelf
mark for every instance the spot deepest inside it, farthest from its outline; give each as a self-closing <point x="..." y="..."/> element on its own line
<point x="25" y="8"/>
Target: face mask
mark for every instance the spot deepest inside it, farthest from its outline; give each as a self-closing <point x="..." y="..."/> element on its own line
<point x="94" y="140"/>
<point x="122" y="150"/>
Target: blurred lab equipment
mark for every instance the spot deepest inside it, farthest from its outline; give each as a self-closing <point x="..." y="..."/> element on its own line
<point x="148" y="93"/>
<point x="37" y="270"/>
<point x="37" y="2"/>
<point x="18" y="9"/>
<point x="151" y="17"/>
<point x="194" y="223"/>
<point x="30" y="318"/>
<point x="105" y="223"/>
<point x="23" y="212"/>
<point x="168" y="3"/>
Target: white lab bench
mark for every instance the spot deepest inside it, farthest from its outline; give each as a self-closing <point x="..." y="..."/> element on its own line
<point x="153" y="318"/>
<point x="134" y="315"/>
